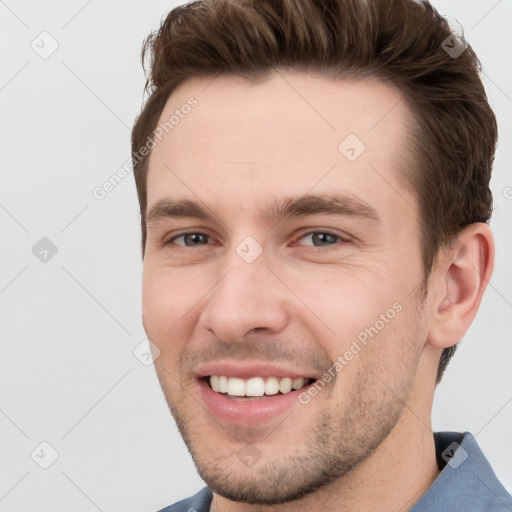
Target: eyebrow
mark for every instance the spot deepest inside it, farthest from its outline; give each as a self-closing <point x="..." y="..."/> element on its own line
<point x="326" y="204"/>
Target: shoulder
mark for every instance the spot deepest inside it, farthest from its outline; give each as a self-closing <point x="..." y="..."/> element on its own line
<point x="200" y="502"/>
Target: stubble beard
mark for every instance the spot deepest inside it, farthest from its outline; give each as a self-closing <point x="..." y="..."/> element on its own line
<point x="331" y="449"/>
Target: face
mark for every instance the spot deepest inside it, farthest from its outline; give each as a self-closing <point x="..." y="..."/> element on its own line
<point x="283" y="252"/>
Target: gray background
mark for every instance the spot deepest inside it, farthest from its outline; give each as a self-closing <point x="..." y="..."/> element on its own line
<point x="69" y="376"/>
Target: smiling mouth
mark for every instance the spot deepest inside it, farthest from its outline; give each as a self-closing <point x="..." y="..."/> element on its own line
<point x="255" y="388"/>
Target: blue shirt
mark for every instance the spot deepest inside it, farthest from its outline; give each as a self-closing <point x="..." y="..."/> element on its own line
<point x="466" y="483"/>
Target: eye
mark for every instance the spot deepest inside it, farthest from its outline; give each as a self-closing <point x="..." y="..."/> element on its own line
<point x="322" y="238"/>
<point x="190" y="239"/>
<point x="317" y="239"/>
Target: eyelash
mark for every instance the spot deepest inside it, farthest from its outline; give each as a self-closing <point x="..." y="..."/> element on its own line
<point x="340" y="238"/>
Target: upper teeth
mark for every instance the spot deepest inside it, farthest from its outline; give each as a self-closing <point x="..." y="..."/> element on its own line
<point x="256" y="386"/>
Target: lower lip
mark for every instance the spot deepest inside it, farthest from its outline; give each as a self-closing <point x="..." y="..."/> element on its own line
<point x="249" y="412"/>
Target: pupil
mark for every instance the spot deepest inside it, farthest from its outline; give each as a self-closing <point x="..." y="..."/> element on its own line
<point x="194" y="237"/>
<point x="322" y="237"/>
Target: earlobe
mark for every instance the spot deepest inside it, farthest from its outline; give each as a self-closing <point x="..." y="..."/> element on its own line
<point x="461" y="279"/>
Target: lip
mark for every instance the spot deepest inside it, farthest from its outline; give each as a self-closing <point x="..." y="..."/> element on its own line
<point x="248" y="370"/>
<point x="250" y="412"/>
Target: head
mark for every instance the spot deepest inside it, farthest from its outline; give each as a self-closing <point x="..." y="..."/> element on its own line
<point x="341" y="160"/>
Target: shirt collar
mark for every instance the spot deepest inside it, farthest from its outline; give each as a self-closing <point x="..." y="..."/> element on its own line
<point x="466" y="482"/>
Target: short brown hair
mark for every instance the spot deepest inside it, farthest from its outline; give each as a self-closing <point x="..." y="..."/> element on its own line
<point x="403" y="42"/>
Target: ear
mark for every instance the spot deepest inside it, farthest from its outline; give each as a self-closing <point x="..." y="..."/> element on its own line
<point x="460" y="280"/>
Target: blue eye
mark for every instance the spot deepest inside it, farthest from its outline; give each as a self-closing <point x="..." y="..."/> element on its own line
<point x="323" y="237"/>
<point x="318" y="239"/>
<point x="194" y="238"/>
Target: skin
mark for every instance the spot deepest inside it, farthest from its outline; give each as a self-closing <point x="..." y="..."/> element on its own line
<point x="365" y="441"/>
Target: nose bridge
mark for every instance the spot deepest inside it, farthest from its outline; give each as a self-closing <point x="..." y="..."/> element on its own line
<point x="247" y="295"/>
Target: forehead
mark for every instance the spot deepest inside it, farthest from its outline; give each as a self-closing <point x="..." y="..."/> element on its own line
<point x="294" y="132"/>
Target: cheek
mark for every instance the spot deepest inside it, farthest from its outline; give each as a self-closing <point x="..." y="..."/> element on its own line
<point x="343" y="301"/>
<point x="378" y="365"/>
<point x="171" y="303"/>
<point x="164" y="303"/>
<point x="366" y="321"/>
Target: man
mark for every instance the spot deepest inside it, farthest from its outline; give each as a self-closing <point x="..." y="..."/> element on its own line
<point x="313" y="178"/>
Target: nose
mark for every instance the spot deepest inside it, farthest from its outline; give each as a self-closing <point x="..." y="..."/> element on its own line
<point x="247" y="297"/>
